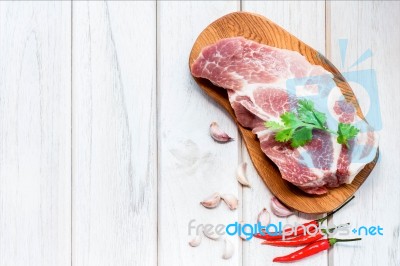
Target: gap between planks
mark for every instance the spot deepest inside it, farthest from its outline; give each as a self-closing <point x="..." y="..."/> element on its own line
<point x="330" y="255"/>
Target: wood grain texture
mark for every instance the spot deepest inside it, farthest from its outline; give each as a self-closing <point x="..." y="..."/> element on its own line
<point x="260" y="29"/>
<point x="373" y="25"/>
<point x="35" y="146"/>
<point x="307" y="21"/>
<point x="191" y="165"/>
<point x="114" y="133"/>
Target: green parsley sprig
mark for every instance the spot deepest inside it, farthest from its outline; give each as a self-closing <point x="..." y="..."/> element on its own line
<point x="298" y="127"/>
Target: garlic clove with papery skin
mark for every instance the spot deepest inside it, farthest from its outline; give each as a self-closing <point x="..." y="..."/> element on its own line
<point x="241" y="174"/>
<point x="279" y="209"/>
<point x="211" y="234"/>
<point x="217" y="134"/>
<point x="228" y="250"/>
<point x="264" y="217"/>
<point x="212" y="201"/>
<point x="230" y="200"/>
<point x="196" y="240"/>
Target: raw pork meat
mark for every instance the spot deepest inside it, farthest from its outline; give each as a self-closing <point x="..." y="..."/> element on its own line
<point x="263" y="82"/>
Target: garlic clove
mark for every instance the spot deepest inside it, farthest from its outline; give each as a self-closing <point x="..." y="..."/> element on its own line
<point x="212" y="201"/>
<point x="279" y="209"/>
<point x="241" y="174"/>
<point x="264" y="217"/>
<point x="230" y="200"/>
<point x="211" y="234"/>
<point x="217" y="134"/>
<point x="196" y="241"/>
<point x="228" y="250"/>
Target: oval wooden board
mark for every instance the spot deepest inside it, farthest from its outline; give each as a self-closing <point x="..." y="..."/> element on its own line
<point x="260" y="29"/>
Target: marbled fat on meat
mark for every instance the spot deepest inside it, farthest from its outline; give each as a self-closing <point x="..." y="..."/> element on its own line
<point x="255" y="76"/>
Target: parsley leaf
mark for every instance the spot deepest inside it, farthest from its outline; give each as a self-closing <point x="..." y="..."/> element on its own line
<point x="301" y="137"/>
<point x="290" y="119"/>
<point x="308" y="114"/>
<point x="284" y="135"/>
<point x="298" y="127"/>
<point x="274" y="125"/>
<point x="346" y="132"/>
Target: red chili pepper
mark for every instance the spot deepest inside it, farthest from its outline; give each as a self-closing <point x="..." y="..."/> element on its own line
<point x="300" y="240"/>
<point x="312" y="249"/>
<point x="299" y="230"/>
<point x="295" y="241"/>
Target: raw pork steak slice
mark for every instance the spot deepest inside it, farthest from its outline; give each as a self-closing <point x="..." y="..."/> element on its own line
<point x="263" y="82"/>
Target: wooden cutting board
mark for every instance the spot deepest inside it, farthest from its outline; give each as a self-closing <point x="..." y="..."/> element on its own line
<point x="260" y="29"/>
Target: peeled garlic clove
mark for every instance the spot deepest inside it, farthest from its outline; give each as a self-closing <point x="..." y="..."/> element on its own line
<point x="217" y="134"/>
<point x="230" y="200"/>
<point x="228" y="250"/>
<point x="212" y="201"/>
<point x="196" y="241"/>
<point x="279" y="209"/>
<point x="241" y="175"/>
<point x="211" y="234"/>
<point x="264" y="217"/>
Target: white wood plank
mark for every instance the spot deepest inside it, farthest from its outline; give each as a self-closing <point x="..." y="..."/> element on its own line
<point x="191" y="165"/>
<point x="114" y="133"/>
<point x="373" y="25"/>
<point x="35" y="140"/>
<point x="306" y="20"/>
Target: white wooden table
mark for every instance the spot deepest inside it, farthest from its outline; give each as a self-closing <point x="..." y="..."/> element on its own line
<point x="104" y="145"/>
